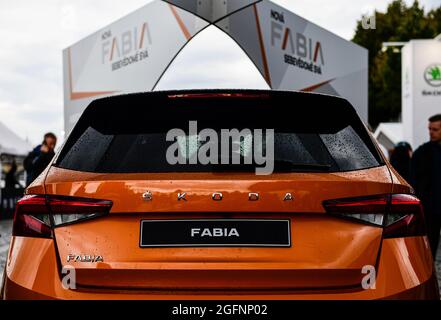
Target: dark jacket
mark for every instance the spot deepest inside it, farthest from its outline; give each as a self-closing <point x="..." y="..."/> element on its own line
<point x="11" y="181"/>
<point x="400" y="160"/>
<point x="35" y="163"/>
<point x="426" y="178"/>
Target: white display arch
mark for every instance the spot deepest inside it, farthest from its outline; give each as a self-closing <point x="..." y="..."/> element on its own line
<point x="133" y="53"/>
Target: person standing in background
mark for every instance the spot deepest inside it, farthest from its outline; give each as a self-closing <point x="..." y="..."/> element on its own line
<point x="39" y="158"/>
<point x="400" y="159"/>
<point x="11" y="179"/>
<point x="11" y="192"/>
<point x="426" y="179"/>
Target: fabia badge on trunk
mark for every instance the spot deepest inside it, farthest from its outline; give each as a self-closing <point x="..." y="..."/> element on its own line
<point x="84" y="258"/>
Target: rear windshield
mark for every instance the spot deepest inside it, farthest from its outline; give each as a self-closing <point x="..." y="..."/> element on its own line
<point x="165" y="133"/>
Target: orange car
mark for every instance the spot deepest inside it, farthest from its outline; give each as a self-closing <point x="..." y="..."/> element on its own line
<point x="219" y="195"/>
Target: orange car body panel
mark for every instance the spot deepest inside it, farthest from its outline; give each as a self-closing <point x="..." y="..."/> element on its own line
<point x="131" y="272"/>
<point x="398" y="277"/>
<point x="309" y="189"/>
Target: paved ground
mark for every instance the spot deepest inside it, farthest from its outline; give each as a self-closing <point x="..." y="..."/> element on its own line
<point x="5" y="233"/>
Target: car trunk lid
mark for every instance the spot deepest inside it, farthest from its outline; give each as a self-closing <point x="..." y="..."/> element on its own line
<point x="325" y="251"/>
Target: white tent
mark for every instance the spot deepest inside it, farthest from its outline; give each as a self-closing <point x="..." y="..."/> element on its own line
<point x="12" y="144"/>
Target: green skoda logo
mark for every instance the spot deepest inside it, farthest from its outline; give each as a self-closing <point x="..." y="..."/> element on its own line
<point x="433" y="75"/>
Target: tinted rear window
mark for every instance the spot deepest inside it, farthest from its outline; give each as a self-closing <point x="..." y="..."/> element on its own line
<point x="128" y="134"/>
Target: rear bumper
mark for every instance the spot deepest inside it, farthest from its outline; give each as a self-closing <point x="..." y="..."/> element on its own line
<point x="424" y="291"/>
<point x="405" y="271"/>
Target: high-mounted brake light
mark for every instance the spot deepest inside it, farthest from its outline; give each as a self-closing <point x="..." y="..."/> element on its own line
<point x="219" y="95"/>
<point x="36" y="215"/>
<point x="400" y="215"/>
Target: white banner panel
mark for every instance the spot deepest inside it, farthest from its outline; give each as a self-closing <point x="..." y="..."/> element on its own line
<point x="295" y="54"/>
<point x="130" y="55"/>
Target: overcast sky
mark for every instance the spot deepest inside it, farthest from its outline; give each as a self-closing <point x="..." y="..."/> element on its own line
<point x="33" y="34"/>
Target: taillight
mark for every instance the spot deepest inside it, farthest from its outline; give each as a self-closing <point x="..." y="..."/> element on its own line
<point x="31" y="218"/>
<point x="36" y="215"/>
<point x="65" y="210"/>
<point x="400" y="215"/>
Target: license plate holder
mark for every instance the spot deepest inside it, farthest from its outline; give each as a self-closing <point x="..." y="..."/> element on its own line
<point x="215" y="233"/>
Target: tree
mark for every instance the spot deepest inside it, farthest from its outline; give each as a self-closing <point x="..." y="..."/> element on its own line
<point x="399" y="23"/>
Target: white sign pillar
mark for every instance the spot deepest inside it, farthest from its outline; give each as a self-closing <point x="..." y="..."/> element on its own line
<point x="421" y="88"/>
